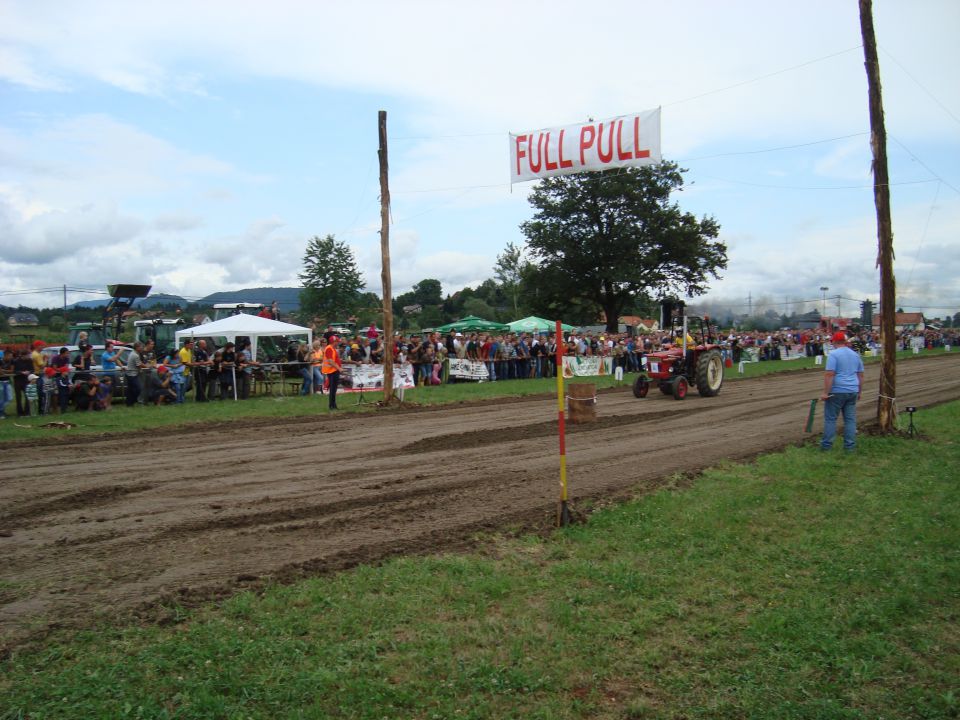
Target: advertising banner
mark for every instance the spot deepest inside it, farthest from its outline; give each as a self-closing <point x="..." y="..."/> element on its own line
<point x="354" y="378"/>
<point x="468" y="369"/>
<point x="625" y="141"/>
<point x="583" y="366"/>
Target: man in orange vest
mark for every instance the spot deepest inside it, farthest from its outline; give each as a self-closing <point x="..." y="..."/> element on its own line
<point x="331" y="368"/>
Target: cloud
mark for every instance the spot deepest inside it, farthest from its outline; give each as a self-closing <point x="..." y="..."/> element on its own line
<point x="61" y="234"/>
<point x="177" y="222"/>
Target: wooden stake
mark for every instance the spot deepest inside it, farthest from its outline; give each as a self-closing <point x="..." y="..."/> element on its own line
<point x="886" y="407"/>
<point x="385" y="259"/>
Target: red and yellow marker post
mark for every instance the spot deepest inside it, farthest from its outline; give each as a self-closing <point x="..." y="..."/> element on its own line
<point x="563" y="512"/>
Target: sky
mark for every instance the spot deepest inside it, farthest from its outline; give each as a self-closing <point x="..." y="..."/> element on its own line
<point x="197" y="147"/>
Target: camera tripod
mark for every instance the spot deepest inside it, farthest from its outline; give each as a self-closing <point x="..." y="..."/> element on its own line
<point x="361" y="400"/>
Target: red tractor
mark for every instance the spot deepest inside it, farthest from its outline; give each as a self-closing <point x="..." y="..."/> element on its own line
<point x="689" y="360"/>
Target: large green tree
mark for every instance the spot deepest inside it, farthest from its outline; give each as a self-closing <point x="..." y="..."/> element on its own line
<point x="331" y="279"/>
<point x="605" y="240"/>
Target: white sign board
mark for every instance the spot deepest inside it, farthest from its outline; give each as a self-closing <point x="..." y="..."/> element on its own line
<point x="625" y="141"/>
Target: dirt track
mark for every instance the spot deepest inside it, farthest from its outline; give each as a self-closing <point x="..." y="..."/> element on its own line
<point x="112" y="525"/>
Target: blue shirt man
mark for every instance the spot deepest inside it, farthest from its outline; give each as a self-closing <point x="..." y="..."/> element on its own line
<point x="842" y="385"/>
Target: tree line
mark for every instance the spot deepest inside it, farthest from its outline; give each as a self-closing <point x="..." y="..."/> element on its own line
<point x="598" y="244"/>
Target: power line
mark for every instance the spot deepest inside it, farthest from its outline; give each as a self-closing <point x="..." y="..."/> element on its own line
<point x="815" y="187"/>
<point x="669" y="104"/>
<point x="764" y="77"/>
<point x="921" y="86"/>
<point x="924" y="235"/>
<point x="923" y="164"/>
<point x="774" y="149"/>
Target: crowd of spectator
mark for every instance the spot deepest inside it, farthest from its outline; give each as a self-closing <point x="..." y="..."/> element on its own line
<point x="51" y="382"/>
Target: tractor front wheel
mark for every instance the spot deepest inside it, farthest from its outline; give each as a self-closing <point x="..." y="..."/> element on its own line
<point x="679" y="388"/>
<point x="641" y="387"/>
<point x="709" y="373"/>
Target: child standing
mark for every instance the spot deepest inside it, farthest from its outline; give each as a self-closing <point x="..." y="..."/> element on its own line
<point x="49" y="389"/>
<point x="33" y="398"/>
<point x="63" y="389"/>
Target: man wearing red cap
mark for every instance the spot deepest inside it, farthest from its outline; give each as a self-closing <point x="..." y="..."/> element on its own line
<point x="842" y="385"/>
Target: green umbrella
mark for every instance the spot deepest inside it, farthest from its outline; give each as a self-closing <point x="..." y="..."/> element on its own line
<point x="472" y="323"/>
<point x="534" y="324"/>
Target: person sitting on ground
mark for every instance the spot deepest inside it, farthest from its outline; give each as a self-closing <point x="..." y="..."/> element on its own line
<point x="162" y="387"/>
<point x="105" y="392"/>
<point x="85" y="393"/>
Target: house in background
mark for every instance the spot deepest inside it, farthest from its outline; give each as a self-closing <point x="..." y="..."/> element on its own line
<point x="23" y="319"/>
<point x="903" y="322"/>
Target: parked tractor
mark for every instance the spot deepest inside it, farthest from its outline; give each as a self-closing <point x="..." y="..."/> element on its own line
<point x="692" y="359"/>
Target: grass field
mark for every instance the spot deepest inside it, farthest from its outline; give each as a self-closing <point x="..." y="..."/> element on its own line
<point x="121" y="418"/>
<point x="802" y="585"/>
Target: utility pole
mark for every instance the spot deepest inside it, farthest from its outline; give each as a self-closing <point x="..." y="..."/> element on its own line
<point x="823" y="300"/>
<point x="886" y="402"/>
<point x="64" y="303"/>
<point x="385" y="261"/>
<point x="839" y="311"/>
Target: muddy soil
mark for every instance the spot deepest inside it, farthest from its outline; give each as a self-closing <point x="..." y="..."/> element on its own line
<point x="131" y="525"/>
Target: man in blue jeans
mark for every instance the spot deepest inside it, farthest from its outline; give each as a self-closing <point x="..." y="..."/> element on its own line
<point x="842" y="385"/>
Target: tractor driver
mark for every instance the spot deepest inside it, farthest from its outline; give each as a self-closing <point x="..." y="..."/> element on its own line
<point x="678" y="339"/>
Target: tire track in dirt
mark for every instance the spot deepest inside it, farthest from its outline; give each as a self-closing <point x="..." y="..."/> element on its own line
<point x="276" y="500"/>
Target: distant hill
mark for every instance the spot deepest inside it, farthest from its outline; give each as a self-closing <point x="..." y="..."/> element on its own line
<point x="287" y="297"/>
<point x="144" y="303"/>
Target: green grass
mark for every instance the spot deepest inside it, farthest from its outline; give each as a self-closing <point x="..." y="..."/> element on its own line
<point x="122" y="419"/>
<point x="803" y="585"/>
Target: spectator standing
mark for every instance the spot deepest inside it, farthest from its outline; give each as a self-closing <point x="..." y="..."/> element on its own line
<point x="63" y="388"/>
<point x="199" y="368"/>
<point x="186" y="358"/>
<point x="228" y="370"/>
<point x="132" y="372"/>
<point x="842" y="386"/>
<point x="83" y="362"/>
<point x="176" y="369"/>
<point x="32" y="395"/>
<point x="39" y="362"/>
<point x="331" y="369"/>
<point x="316" y="366"/>
<point x="109" y="360"/>
<point x="6" y="390"/>
<point x="245" y="369"/>
<point x="22" y="370"/>
<point x="49" y="379"/>
<point x="148" y="361"/>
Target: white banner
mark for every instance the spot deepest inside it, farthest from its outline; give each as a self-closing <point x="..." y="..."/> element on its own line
<point x="628" y="140"/>
<point x="468" y="369"/>
<point x="581" y="366"/>
<point x="354" y="378"/>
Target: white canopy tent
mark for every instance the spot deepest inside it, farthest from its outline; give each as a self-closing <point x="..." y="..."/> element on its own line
<point x="251" y="326"/>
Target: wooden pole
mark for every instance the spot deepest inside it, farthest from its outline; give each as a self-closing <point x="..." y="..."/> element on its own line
<point x="385" y="259"/>
<point x="886" y="403"/>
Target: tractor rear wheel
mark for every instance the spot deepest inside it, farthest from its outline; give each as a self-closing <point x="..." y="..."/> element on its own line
<point x="666" y="387"/>
<point x="641" y="387"/>
<point x="709" y="373"/>
<point x="679" y="388"/>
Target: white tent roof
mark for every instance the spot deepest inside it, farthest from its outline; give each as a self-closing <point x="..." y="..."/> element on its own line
<point x="251" y="326"/>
